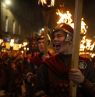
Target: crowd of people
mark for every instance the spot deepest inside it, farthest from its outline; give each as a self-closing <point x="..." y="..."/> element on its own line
<point x="47" y="73"/>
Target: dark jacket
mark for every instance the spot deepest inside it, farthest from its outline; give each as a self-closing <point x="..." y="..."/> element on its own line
<point x="53" y="78"/>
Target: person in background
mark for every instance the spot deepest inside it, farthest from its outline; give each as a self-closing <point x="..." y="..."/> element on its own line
<point x="54" y="75"/>
<point x="35" y="61"/>
<point x="43" y="54"/>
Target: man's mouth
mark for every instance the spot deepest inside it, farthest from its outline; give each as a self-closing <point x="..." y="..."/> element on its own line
<point x="57" y="46"/>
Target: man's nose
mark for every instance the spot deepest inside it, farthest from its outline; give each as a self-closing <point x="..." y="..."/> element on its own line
<point x="55" y="38"/>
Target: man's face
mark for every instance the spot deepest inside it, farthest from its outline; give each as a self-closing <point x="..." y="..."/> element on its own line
<point x="41" y="45"/>
<point x="59" y="41"/>
<point x="34" y="45"/>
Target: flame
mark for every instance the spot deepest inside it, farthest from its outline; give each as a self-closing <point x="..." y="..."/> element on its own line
<point x="87" y="47"/>
<point x="83" y="26"/>
<point x="52" y="2"/>
<point x="86" y="44"/>
<point x="44" y="2"/>
<point x="66" y="17"/>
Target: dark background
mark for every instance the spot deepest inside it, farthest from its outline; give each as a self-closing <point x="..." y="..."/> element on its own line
<point x="32" y="16"/>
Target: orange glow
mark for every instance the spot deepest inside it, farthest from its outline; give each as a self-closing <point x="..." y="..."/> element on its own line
<point x="83" y="27"/>
<point x="86" y="44"/>
<point x="66" y="17"/>
<point x="43" y="2"/>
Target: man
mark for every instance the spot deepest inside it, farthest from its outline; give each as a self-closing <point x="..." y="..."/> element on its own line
<point x="55" y="74"/>
<point x="35" y="61"/>
<point x="42" y="55"/>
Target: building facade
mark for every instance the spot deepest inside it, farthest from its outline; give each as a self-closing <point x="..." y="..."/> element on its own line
<point x="9" y="26"/>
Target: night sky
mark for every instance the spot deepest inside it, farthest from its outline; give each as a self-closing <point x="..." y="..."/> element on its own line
<point x="33" y="19"/>
<point x="89" y="14"/>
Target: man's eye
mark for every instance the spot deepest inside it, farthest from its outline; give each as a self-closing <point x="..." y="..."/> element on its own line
<point x="59" y="36"/>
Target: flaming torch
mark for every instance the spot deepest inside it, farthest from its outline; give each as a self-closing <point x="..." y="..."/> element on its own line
<point x="45" y="2"/>
<point x="83" y="27"/>
<point x="47" y="8"/>
<point x="76" y="40"/>
<point x="66" y="17"/>
<point x="86" y="46"/>
<point x="42" y="2"/>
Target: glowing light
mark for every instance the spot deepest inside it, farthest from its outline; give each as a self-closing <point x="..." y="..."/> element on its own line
<point x="66" y="17"/>
<point x="83" y="26"/>
<point x="7" y="2"/>
<point x="86" y="44"/>
<point x="52" y="2"/>
<point x="12" y="42"/>
<point x="44" y="2"/>
<point x="24" y="44"/>
<point x="27" y="49"/>
<point x="1" y="40"/>
<point x="19" y="46"/>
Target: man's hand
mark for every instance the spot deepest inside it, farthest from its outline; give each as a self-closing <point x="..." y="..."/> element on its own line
<point x="76" y="75"/>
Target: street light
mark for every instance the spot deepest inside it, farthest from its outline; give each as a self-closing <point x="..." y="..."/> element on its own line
<point x="6" y="3"/>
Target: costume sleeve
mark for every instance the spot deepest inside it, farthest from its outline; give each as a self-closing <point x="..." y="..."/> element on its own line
<point x="41" y="84"/>
<point x="88" y="86"/>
